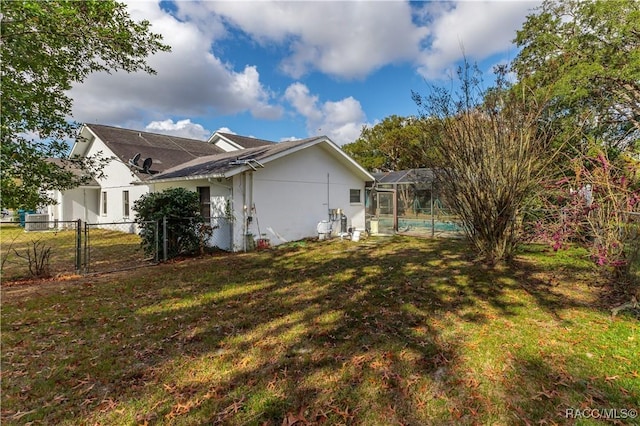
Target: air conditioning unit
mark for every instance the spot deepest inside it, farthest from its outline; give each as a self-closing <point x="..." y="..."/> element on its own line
<point x="36" y="222"/>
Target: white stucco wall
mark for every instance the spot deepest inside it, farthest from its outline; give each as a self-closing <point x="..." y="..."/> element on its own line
<point x="118" y="178"/>
<point x="290" y="196"/>
<point x="78" y="203"/>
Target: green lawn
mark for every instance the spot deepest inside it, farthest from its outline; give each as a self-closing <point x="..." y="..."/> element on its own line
<point x="384" y="331"/>
<point x="107" y="250"/>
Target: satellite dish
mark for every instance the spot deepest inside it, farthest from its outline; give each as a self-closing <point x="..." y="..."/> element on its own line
<point x="146" y="165"/>
<point x="135" y="159"/>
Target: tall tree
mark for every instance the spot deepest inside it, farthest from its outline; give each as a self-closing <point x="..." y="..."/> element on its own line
<point x="586" y="55"/>
<point x="396" y="143"/>
<point x="45" y="47"/>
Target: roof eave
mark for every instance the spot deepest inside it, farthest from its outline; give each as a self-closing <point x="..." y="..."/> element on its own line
<point x="78" y="140"/>
<point x="183" y="178"/>
<point x="216" y="136"/>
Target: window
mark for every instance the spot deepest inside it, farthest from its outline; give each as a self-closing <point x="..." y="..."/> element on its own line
<point x="125" y="203"/>
<point x="104" y="202"/>
<point x="354" y="196"/>
<point x="205" y="201"/>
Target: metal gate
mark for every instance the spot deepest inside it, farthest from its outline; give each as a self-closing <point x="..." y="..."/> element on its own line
<point x="110" y="247"/>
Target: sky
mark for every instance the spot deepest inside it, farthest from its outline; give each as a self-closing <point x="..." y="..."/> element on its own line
<point x="295" y="69"/>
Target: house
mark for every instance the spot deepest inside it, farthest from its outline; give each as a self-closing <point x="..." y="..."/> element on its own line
<point x="278" y="192"/>
<point x="75" y="203"/>
<point x="249" y="188"/>
<point x="130" y="152"/>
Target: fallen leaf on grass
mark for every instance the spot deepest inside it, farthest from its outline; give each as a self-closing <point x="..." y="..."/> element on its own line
<point x="292" y="419"/>
<point x="549" y="394"/>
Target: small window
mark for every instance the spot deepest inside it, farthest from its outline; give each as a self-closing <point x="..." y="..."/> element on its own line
<point x="104" y="202"/>
<point x="354" y="196"/>
<point x="205" y="201"/>
<point x="125" y="203"/>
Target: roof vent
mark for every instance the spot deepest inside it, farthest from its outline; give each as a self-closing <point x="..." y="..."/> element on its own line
<point x="251" y="162"/>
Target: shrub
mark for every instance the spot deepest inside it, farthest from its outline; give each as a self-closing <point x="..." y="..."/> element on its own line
<point x="38" y="259"/>
<point x="186" y="231"/>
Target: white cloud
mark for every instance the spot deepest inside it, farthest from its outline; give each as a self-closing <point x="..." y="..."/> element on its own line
<point x="351" y="39"/>
<point x="289" y="139"/>
<point x="183" y="128"/>
<point x="475" y="29"/>
<point x="226" y="130"/>
<point x="342" y="121"/>
<point x="343" y="39"/>
<point x="190" y="80"/>
<point x="303" y="102"/>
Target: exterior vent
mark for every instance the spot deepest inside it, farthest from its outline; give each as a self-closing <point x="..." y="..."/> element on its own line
<point x="36" y="222"/>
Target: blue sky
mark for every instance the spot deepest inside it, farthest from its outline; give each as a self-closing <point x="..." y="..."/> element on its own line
<point x="294" y="69"/>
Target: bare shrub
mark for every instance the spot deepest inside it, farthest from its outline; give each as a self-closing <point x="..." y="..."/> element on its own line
<point x="37" y="257"/>
<point x="492" y="146"/>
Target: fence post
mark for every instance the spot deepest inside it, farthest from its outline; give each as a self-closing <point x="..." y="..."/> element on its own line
<point x="87" y="260"/>
<point x="433" y="220"/>
<point x="165" y="243"/>
<point x="78" y="246"/>
<point x="157" y="240"/>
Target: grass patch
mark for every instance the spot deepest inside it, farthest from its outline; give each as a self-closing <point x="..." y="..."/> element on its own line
<point x="386" y="331"/>
<point x="107" y="250"/>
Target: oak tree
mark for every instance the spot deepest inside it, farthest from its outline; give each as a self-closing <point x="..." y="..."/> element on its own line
<point x="396" y="143"/>
<point x="45" y="48"/>
<point x="586" y="56"/>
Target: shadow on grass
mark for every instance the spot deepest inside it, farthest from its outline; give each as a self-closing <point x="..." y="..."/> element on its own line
<point x="400" y="331"/>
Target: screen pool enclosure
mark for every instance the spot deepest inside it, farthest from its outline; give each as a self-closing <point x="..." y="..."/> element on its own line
<point x="409" y="201"/>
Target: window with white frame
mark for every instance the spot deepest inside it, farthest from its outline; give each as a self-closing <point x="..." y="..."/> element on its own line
<point x="104" y="202"/>
<point x="125" y="203"/>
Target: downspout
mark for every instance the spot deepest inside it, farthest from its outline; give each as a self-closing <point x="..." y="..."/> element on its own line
<point x="243" y="184"/>
<point x="250" y="206"/>
<point x="328" y="204"/>
<point x="247" y="201"/>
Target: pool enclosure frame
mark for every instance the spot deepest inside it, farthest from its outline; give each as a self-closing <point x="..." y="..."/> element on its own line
<point x="394" y="193"/>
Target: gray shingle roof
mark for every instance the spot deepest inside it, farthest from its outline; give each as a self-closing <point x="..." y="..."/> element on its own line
<point x="219" y="164"/>
<point x="165" y="151"/>
<point x="405" y="176"/>
<point x="84" y="175"/>
<point x="246" y="142"/>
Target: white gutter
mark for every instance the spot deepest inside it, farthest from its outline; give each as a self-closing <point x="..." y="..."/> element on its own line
<point x="183" y="178"/>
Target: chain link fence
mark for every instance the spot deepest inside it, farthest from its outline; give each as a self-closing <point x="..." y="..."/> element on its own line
<point x="35" y="247"/>
<point x="38" y="248"/>
<point x="42" y="248"/>
<point x="109" y="247"/>
<point x="222" y="233"/>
